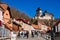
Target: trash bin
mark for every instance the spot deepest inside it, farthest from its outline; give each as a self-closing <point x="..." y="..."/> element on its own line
<point x="13" y="36"/>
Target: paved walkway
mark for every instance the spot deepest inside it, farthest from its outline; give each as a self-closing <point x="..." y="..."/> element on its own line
<point x="57" y="36"/>
<point x="30" y="38"/>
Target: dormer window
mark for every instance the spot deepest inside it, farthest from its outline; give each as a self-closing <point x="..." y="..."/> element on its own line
<point x="6" y="14"/>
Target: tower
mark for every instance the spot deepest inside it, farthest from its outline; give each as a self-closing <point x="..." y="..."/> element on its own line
<point x="39" y="12"/>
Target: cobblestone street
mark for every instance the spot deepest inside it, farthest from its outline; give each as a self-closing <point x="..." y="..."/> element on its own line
<point x="35" y="38"/>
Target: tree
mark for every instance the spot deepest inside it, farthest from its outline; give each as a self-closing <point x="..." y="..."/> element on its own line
<point x="18" y="14"/>
<point x="34" y="21"/>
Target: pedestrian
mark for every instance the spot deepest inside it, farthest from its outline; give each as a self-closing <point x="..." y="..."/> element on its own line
<point x="27" y="34"/>
<point x="32" y="33"/>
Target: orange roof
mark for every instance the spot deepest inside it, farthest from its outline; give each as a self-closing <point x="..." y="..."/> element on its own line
<point x="4" y="6"/>
<point x="35" y="26"/>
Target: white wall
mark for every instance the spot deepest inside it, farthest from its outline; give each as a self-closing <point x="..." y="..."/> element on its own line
<point x="59" y="27"/>
<point x="1" y="17"/>
<point x="45" y="17"/>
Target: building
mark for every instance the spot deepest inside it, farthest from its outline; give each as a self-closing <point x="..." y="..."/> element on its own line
<point x="43" y="19"/>
<point x="57" y="25"/>
<point x="5" y="17"/>
<point x="43" y="15"/>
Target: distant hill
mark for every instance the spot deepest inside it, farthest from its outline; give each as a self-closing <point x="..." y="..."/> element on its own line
<point x="18" y="14"/>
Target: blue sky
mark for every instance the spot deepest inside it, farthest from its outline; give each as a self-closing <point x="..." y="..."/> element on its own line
<point x="29" y="6"/>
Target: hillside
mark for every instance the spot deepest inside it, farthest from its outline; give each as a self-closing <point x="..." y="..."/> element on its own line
<point x="17" y="14"/>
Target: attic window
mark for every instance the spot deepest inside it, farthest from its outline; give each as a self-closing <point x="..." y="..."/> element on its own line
<point x="6" y="14"/>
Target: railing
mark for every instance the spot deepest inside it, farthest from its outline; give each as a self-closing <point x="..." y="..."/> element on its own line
<point x="4" y="34"/>
<point x="5" y="38"/>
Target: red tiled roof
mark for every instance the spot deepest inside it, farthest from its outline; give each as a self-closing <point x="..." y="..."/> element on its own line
<point x="21" y="19"/>
<point x="4" y="6"/>
<point x="56" y="23"/>
<point x="35" y="26"/>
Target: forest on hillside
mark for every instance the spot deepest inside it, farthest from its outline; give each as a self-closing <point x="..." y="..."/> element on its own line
<point x="18" y="14"/>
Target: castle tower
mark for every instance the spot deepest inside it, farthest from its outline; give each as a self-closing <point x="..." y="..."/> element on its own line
<point x="39" y="12"/>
